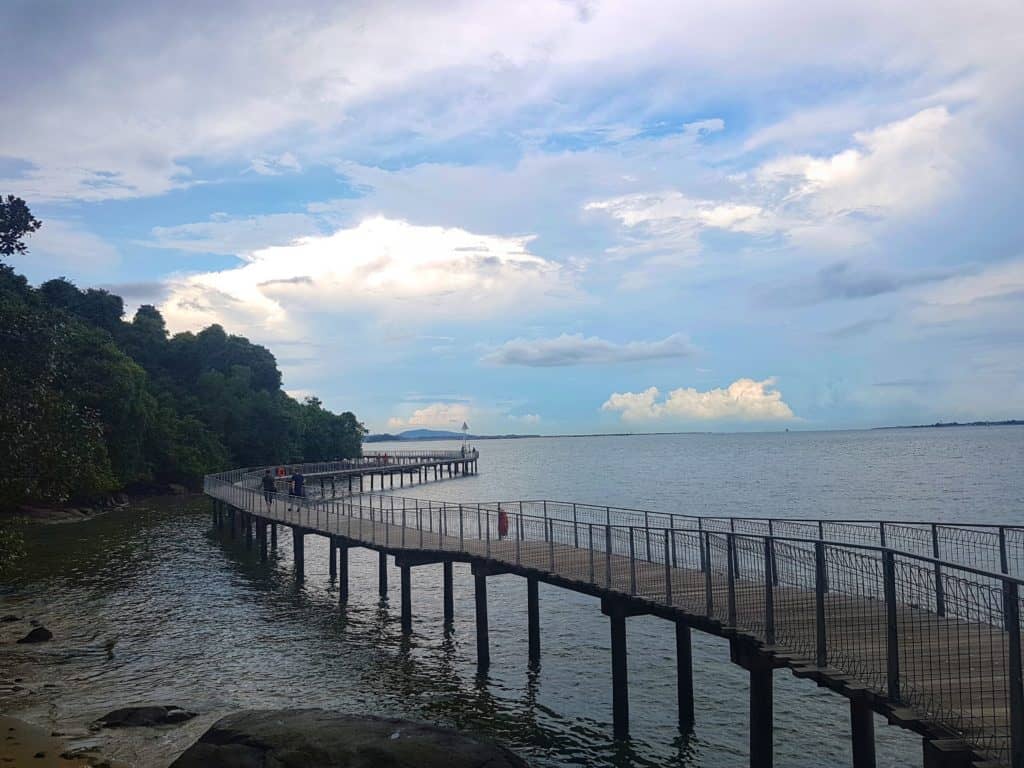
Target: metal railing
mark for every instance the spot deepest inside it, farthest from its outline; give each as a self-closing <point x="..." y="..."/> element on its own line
<point x="940" y="637"/>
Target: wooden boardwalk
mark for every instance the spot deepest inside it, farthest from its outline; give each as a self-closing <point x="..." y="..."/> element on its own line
<point x="934" y="646"/>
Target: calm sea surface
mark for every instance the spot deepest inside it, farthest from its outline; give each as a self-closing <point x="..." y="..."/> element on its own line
<point x="201" y="623"/>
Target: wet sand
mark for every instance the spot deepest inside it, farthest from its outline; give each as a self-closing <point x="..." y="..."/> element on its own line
<point x="23" y="744"/>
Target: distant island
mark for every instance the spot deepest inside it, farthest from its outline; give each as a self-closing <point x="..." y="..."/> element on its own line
<point x="1008" y="423"/>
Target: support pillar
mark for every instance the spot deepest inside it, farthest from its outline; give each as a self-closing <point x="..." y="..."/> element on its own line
<point x="449" y="596"/>
<point x="262" y="535"/>
<point x="620" y="682"/>
<point x="299" y="550"/>
<point x="233" y="520"/>
<point x="684" y="676"/>
<point x="405" y="570"/>
<point x="273" y="536"/>
<point x="247" y="521"/>
<point x="331" y="556"/>
<point x="382" y="574"/>
<point x="761" y="726"/>
<point x="342" y="574"/>
<point x="533" y="619"/>
<point x="483" y="646"/>
<point x="862" y="734"/>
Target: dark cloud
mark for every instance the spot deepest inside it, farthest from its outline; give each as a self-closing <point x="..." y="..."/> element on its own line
<point x="843" y="282"/>
<point x="579" y="350"/>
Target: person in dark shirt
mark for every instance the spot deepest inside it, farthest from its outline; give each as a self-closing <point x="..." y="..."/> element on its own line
<point x="298" y="488"/>
<point x="268" y="487"/>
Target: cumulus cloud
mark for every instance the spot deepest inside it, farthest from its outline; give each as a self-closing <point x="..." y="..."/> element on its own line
<point x="894" y="170"/>
<point x="743" y="400"/>
<point x="390" y="268"/>
<point x="433" y="416"/>
<point x="575" y="349"/>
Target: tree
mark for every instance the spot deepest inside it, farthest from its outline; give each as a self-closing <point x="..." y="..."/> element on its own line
<point x="16" y="223"/>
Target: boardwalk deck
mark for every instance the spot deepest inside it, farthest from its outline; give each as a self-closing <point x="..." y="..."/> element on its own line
<point x="862" y="620"/>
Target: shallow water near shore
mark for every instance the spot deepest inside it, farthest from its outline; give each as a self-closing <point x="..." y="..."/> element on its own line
<point x="148" y="605"/>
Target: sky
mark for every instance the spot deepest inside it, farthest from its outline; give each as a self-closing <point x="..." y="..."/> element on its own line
<point x="548" y="217"/>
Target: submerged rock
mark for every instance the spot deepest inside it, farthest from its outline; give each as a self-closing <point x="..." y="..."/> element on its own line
<point x="315" y="738"/>
<point x="134" y="717"/>
<point x="37" y="635"/>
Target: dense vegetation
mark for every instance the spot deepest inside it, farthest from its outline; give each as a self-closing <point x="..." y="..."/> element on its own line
<point x="94" y="403"/>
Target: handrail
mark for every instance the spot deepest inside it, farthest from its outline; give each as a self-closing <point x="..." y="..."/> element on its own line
<point x="921" y="631"/>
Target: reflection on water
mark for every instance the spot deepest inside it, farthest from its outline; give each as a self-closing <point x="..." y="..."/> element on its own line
<point x="149" y="605"/>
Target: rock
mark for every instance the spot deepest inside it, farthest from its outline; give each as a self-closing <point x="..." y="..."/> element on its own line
<point x="37" y="635"/>
<point x="9" y="618"/>
<point x="315" y="738"/>
<point x="133" y="717"/>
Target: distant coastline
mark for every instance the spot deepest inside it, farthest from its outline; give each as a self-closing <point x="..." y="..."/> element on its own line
<point x="423" y="435"/>
<point x="938" y="424"/>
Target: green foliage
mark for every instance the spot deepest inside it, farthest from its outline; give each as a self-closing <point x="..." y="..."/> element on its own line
<point x="16" y="223"/>
<point x="95" y="403"/>
<point x="12" y="545"/>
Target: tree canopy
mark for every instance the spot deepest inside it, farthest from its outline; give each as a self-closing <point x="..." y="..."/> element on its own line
<point x="95" y="403"/>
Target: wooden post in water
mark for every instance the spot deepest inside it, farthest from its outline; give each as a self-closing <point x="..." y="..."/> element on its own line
<point x="684" y="675"/>
<point x="620" y="681"/>
<point x="262" y="535"/>
<point x="483" y="647"/>
<point x="533" y="619"/>
<point x="405" y="571"/>
<point x="342" y="573"/>
<point x="331" y="552"/>
<point x="862" y="734"/>
<point x="299" y="552"/>
<point x="761" y="726"/>
<point x="382" y="575"/>
<point x="273" y="536"/>
<point x="449" y="594"/>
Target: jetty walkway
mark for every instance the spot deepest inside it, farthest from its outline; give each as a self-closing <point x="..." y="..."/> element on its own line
<point x="919" y="622"/>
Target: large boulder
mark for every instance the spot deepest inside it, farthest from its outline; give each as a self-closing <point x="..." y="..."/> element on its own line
<point x="315" y="738"/>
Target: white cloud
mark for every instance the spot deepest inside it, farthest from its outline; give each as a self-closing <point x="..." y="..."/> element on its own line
<point x="575" y="349"/>
<point x="433" y="416"/>
<point x="64" y="248"/>
<point x="286" y="162"/>
<point x="231" y="236"/>
<point x="527" y="418"/>
<point x="404" y="272"/>
<point x="832" y="201"/>
<point x="743" y="400"/>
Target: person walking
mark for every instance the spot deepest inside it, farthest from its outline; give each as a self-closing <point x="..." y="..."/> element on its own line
<point x="269" y="488"/>
<point x="298" y="484"/>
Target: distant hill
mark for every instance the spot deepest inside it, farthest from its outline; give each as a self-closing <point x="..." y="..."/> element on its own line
<point x="938" y="424"/>
<point x="431" y="434"/>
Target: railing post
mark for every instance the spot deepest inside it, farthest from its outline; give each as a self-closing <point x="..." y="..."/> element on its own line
<point x="734" y="552"/>
<point x="775" y="571"/>
<point x="769" y="591"/>
<point x="545" y="520"/>
<point x="419" y="521"/>
<point x="819" y="602"/>
<point x="940" y="591"/>
<point x="519" y="536"/>
<point x="488" y="544"/>
<point x="709" y="595"/>
<point x="608" y="555"/>
<point x="730" y="547"/>
<point x="647" y="533"/>
<point x="551" y="545"/>
<point x="1011" y="617"/>
<point x="881" y="533"/>
<point x="632" y="563"/>
<point x="403" y="523"/>
<point x="479" y="527"/>
<point x="590" y="550"/>
<point x="892" y="650"/>
<point x="462" y="535"/>
<point x="1004" y="561"/>
<point x="701" y="542"/>
<point x="575" y="530"/>
<point x="668" y="570"/>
